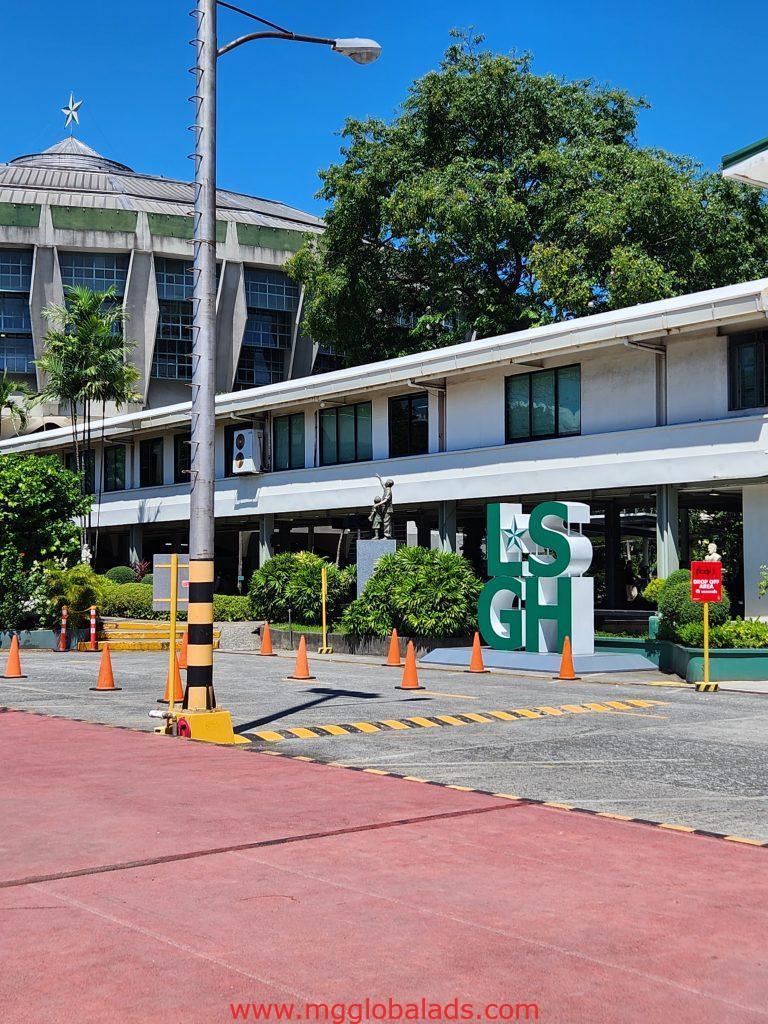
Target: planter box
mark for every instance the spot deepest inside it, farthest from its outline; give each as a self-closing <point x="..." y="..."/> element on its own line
<point x="33" y="639"/>
<point x="688" y="662"/>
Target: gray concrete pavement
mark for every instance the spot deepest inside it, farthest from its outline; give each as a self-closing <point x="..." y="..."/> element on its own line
<point x="697" y="759"/>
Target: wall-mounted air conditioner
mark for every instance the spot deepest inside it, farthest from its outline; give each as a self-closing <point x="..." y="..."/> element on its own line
<point x="246" y="451"/>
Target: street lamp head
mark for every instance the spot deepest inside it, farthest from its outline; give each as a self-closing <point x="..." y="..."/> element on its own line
<point x="361" y="51"/>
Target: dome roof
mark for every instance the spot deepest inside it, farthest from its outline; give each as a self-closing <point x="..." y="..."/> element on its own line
<point x="72" y="174"/>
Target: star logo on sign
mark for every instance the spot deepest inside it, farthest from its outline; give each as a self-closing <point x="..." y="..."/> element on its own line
<point x="513" y="538"/>
<point x="71" y="110"/>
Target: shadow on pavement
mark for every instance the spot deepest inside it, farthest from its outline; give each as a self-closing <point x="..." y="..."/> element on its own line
<point x="326" y="696"/>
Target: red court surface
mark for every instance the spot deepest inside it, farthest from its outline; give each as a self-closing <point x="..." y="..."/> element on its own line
<point x="372" y="887"/>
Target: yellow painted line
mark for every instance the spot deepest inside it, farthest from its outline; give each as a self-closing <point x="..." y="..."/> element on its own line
<point x="333" y="730"/>
<point x="526" y="713"/>
<point x="463" y="789"/>
<point x="549" y="711"/>
<point x="741" y="839"/>
<point x="450" y="720"/>
<point x="375" y="771"/>
<point x="641" y="703"/>
<point x="475" y="717"/>
<point x="303" y="734"/>
<point x="503" y="715"/>
<point x="423" y="722"/>
<point x="365" y="727"/>
<point x="593" y="706"/>
<point x="392" y="723"/>
<point x="507" y="796"/>
<point x="676" y="828"/>
<point x="562" y="807"/>
<point x="301" y="757"/>
<point x="618" y="704"/>
<point x="575" y="709"/>
<point x="271" y="737"/>
<point x="272" y="753"/>
<point x="616" y="817"/>
<point x="413" y="778"/>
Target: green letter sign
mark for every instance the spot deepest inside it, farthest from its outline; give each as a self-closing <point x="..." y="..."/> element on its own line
<point x="538" y="594"/>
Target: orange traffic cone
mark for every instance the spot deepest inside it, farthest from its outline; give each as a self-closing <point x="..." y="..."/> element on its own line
<point x="301" y="670"/>
<point x="106" y="681"/>
<point x="266" y="642"/>
<point x="182" y="655"/>
<point x="13" y="664"/>
<point x="476" y="661"/>
<point x="178" y="689"/>
<point x="566" y="662"/>
<point x="410" y="680"/>
<point x="393" y="657"/>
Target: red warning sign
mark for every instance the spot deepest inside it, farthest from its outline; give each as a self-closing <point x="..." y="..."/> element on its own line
<point x="706" y="581"/>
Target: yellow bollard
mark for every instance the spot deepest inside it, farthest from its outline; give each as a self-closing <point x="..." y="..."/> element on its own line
<point x="325" y="649"/>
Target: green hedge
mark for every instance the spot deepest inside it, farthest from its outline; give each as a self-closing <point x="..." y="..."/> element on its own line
<point x="734" y="634"/>
<point x="231" y="608"/>
<point x="120" y="574"/>
<point x="678" y="609"/>
<point x="134" y="601"/>
<point x="421" y="593"/>
<point x="291" y="583"/>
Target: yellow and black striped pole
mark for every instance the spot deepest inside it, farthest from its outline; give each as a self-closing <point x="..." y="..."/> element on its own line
<point x="199" y="695"/>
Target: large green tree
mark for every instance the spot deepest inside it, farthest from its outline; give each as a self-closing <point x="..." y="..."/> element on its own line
<point x="498" y="199"/>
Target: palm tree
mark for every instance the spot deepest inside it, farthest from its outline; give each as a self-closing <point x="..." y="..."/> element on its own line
<point x="14" y="400"/>
<point x="84" y="364"/>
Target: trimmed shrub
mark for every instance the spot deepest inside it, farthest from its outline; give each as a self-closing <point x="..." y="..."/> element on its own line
<point x="677" y="609"/>
<point x="147" y="579"/>
<point x="421" y="593"/>
<point x="734" y="634"/>
<point x="120" y="574"/>
<point x="129" y="601"/>
<point x="653" y="590"/>
<point x="292" y="581"/>
<point x="231" y="607"/>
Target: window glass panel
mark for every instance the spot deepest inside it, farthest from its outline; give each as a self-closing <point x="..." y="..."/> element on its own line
<point x="282" y="442"/>
<point x="270" y="289"/>
<point x="182" y="458"/>
<point x="398" y="427"/>
<point x="297" y="441"/>
<point x="88" y="465"/>
<point x="15" y="270"/>
<point x="175" y="279"/>
<point x="151" y="462"/>
<point x="746" y="362"/>
<point x="518" y="408"/>
<point x="328" y="453"/>
<point x="172" y="359"/>
<point x="543" y="402"/>
<point x="419" y="425"/>
<point x="346" y="417"/>
<point x="97" y="271"/>
<point x="14" y="315"/>
<point x="569" y="400"/>
<point x="114" y="468"/>
<point x="364" y="432"/>
<point x="16" y="355"/>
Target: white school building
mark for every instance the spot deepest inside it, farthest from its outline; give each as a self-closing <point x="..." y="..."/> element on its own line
<point x="647" y="414"/>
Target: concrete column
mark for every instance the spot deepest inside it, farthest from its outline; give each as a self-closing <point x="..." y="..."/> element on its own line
<point x="667" y="531"/>
<point x="135" y="544"/>
<point x="446" y="525"/>
<point x="266" y="529"/>
<point x="755" y="510"/>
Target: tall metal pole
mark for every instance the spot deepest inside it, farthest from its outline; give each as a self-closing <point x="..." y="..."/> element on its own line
<point x="199" y="692"/>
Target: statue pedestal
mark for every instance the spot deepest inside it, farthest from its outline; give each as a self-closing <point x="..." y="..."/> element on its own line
<point x="368" y="554"/>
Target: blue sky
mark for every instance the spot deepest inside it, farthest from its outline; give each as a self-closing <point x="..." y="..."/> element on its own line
<point x="700" y="64"/>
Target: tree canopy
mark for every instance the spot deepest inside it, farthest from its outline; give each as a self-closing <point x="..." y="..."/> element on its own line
<point x="499" y="199"/>
<point x="39" y="502"/>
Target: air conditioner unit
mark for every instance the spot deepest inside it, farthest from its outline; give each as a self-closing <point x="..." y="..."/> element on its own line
<point x="246" y="451"/>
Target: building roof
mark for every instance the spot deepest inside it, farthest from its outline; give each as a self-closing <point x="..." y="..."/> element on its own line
<point x="71" y="173"/>
<point x="733" y="305"/>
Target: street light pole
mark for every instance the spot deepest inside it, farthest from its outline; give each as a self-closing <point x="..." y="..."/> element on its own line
<point x="199" y="694"/>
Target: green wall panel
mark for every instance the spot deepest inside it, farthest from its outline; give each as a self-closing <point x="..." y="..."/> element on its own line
<point x="84" y="218"/>
<point x="170" y="226"/>
<point x="269" y="238"/>
<point x="19" y="215"/>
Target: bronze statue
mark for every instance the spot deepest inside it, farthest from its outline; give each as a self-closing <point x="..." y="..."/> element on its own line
<point x="381" y="512"/>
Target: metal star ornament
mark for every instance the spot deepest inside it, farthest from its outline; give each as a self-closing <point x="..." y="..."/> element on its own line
<point x="513" y="538"/>
<point x="71" y="110"/>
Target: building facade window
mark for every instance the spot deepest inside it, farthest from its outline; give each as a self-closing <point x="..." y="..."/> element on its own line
<point x="172" y="359"/>
<point x="151" y="462"/>
<point x="114" y="468"/>
<point x="94" y="270"/>
<point x="182" y="458"/>
<point x="16" y="348"/>
<point x="748" y="370"/>
<point x="88" y="464"/>
<point x="271" y="299"/>
<point x="346" y="434"/>
<point x="409" y="425"/>
<point x="543" y="404"/>
<point x="288" y="442"/>
<point x="326" y="360"/>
